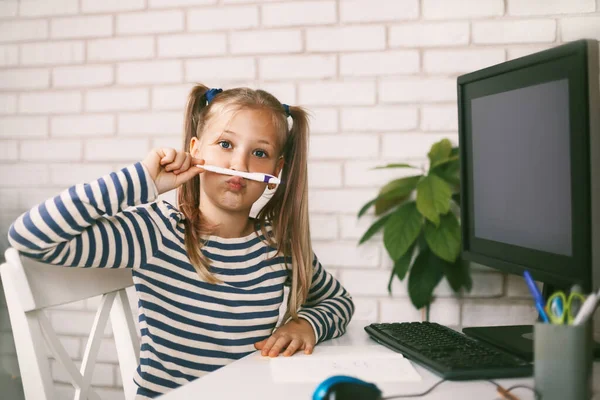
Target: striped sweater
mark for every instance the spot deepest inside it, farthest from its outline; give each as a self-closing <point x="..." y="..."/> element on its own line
<point x="188" y="327"/>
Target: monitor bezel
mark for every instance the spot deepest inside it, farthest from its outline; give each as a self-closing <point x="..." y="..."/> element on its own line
<point x="570" y="61"/>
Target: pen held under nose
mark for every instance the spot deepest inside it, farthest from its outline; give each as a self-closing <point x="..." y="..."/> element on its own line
<point x="255" y="176"/>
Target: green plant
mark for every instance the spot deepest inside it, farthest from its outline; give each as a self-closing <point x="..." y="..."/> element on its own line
<point x="421" y="232"/>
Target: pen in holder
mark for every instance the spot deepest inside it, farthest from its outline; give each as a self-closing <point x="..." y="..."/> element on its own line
<point x="563" y="360"/>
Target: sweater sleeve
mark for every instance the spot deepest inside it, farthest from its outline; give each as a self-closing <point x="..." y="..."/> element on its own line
<point x="329" y="306"/>
<point x="88" y="225"/>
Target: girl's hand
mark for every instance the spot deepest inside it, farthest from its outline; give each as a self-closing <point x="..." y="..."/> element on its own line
<point x="293" y="336"/>
<point x="170" y="168"/>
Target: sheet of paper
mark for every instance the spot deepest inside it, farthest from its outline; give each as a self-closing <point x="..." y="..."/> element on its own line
<point x="370" y="363"/>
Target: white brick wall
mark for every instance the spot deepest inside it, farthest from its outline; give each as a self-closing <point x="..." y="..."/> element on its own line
<point x="117" y="99"/>
<point x="299" y="13"/>
<point x="9" y="8"/>
<point x="222" y="18"/>
<point x="345" y="38"/>
<point x="52" y="53"/>
<point x="337" y="93"/>
<point x="24" y="79"/>
<point x="85" y="76"/>
<point x="88" y="86"/>
<point x="524" y="31"/>
<point x="264" y="42"/>
<point x="92" y="26"/>
<point x="420" y="34"/>
<point x="379" y="63"/>
<point x="41" y="8"/>
<point x="133" y="48"/>
<point x="197" y="44"/>
<point x="298" y="67"/>
<point x="9" y="55"/>
<point x="21" y="127"/>
<point x="378" y="10"/>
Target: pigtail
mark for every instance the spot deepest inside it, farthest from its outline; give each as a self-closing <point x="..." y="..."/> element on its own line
<point x="188" y="194"/>
<point x="288" y="209"/>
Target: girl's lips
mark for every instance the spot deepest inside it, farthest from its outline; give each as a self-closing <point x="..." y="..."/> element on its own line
<point x="236" y="183"/>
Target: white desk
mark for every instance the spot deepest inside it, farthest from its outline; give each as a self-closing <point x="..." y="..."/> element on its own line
<point x="250" y="378"/>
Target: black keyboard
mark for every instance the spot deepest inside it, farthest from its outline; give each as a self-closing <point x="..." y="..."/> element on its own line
<point x="448" y="353"/>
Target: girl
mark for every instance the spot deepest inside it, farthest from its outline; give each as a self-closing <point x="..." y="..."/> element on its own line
<point x="209" y="278"/>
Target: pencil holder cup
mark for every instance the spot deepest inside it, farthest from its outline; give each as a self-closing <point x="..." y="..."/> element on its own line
<point x="563" y="360"/>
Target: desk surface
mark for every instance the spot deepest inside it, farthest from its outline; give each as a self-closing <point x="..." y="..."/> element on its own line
<point x="250" y="378"/>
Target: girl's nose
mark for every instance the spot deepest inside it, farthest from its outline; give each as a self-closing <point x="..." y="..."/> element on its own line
<point x="239" y="162"/>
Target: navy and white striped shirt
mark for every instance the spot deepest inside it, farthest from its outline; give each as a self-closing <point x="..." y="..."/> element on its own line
<point x="189" y="327"/>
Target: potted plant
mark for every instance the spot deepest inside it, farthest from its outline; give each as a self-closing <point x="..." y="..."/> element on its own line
<point x="421" y="231"/>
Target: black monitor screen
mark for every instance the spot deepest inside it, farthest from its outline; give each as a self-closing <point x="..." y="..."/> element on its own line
<point x="521" y="167"/>
<point x="528" y="161"/>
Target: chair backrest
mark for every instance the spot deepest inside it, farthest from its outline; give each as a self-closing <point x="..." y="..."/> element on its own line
<point x="31" y="286"/>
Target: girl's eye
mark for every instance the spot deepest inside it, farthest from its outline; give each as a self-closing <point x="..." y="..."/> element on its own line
<point x="225" y="144"/>
<point x="260" y="153"/>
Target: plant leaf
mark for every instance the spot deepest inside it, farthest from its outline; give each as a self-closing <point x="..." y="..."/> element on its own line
<point x="433" y="197"/>
<point x="377" y="225"/>
<point x="458" y="274"/>
<point x="444" y="240"/>
<point x="425" y="274"/>
<point x="448" y="171"/>
<point x="396" y="166"/>
<point x="439" y="151"/>
<point x="402" y="229"/>
<point x="456" y="198"/>
<point x="391" y="194"/>
<point x="401" y="267"/>
<point x="395" y="192"/>
<point x="366" y="207"/>
<point x="421" y="242"/>
<point x="443" y="162"/>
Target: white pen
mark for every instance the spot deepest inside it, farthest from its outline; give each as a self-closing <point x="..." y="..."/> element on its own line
<point x="587" y="309"/>
<point x="254" y="176"/>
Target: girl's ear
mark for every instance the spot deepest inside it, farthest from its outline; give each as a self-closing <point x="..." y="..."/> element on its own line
<point x="194" y="144"/>
<point x="279" y="166"/>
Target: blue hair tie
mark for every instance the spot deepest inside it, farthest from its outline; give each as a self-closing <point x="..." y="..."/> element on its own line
<point x="287" y="109"/>
<point x="210" y="95"/>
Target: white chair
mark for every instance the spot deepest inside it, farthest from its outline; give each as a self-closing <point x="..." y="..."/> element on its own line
<point x="31" y="286"/>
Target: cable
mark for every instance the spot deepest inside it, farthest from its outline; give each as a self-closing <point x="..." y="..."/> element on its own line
<point x="506" y="393"/>
<point x="537" y="394"/>
<point x="399" y="396"/>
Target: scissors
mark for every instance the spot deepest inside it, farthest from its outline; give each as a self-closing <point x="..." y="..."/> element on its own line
<point x="562" y="308"/>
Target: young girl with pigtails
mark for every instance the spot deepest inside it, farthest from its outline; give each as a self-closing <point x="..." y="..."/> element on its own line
<point x="209" y="278"/>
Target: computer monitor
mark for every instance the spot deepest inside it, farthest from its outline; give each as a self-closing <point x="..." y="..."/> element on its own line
<point x="529" y="140"/>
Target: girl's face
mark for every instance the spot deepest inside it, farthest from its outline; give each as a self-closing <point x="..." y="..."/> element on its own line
<point x="243" y="140"/>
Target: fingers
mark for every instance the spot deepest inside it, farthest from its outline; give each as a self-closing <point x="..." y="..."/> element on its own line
<point x="183" y="177"/>
<point x="268" y="345"/>
<point x="279" y="345"/>
<point x="260" y="345"/>
<point x="177" y="162"/>
<point x="190" y="163"/>
<point x="293" y="347"/>
<point x="308" y="348"/>
<point x="185" y="165"/>
<point x="167" y="155"/>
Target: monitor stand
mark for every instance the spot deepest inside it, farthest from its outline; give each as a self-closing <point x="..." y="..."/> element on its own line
<point x="516" y="339"/>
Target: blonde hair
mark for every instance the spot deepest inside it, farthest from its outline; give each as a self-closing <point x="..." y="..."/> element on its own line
<point x="286" y="210"/>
